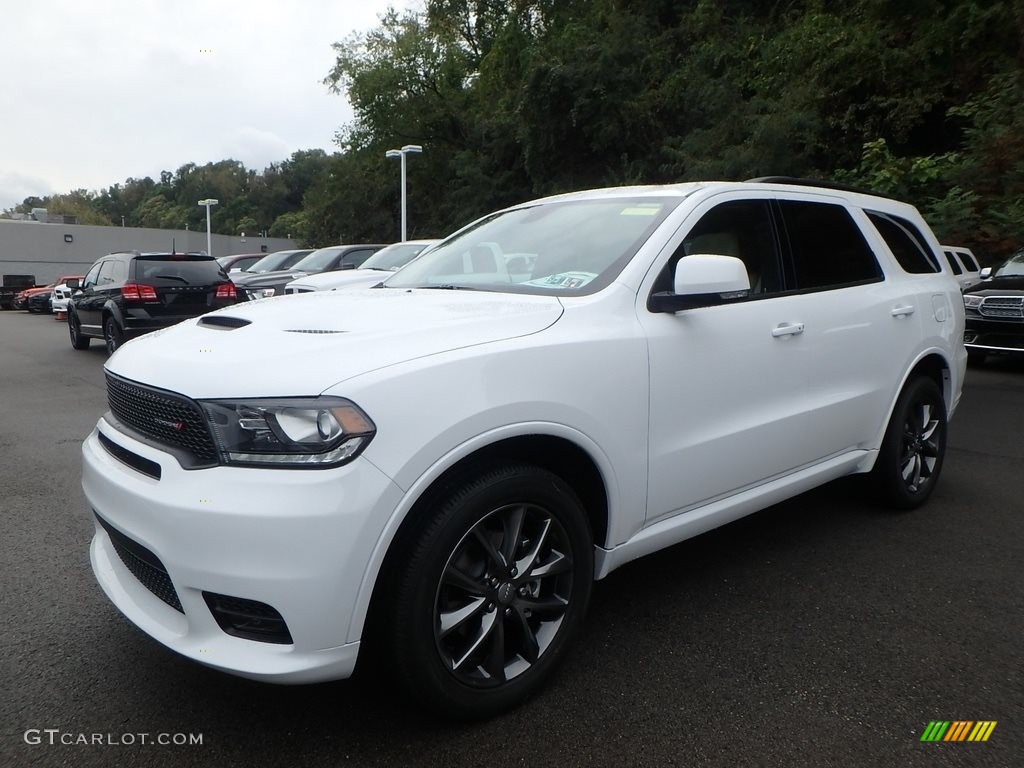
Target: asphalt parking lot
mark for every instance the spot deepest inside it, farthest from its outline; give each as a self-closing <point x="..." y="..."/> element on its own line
<point x="820" y="632"/>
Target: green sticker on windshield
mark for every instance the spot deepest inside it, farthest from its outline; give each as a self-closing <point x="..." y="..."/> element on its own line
<point x="641" y="210"/>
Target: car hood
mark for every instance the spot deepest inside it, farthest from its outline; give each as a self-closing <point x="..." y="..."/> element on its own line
<point x="263" y="279"/>
<point x="998" y="286"/>
<point x="349" y="278"/>
<point x="302" y="345"/>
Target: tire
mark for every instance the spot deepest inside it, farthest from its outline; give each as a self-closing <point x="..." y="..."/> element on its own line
<point x="470" y="635"/>
<point x="78" y="341"/>
<point x="910" y="460"/>
<point x="976" y="356"/>
<point x="112" y="335"/>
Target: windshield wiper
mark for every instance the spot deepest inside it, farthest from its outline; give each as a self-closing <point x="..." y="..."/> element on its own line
<point x="448" y="287"/>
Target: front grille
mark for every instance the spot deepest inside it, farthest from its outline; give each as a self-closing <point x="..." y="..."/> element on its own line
<point x="164" y="416"/>
<point x="1003" y="306"/>
<point x="144" y="565"/>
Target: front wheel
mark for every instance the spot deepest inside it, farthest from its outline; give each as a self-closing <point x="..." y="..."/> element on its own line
<point x="494" y="587"/>
<point x="914" y="446"/>
<point x="78" y="341"/>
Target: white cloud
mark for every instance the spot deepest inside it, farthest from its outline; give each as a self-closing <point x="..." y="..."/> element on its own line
<point x="15" y="187"/>
<point x="109" y="89"/>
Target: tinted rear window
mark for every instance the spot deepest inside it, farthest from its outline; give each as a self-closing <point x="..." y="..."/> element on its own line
<point x="178" y="270"/>
<point x="827" y="247"/>
<point x="906" y="243"/>
<point x="953" y="263"/>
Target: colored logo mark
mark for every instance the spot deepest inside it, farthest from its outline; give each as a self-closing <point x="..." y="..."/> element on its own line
<point x="958" y="730"/>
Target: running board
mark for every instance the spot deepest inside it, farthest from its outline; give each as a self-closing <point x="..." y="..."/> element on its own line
<point x="702" y="519"/>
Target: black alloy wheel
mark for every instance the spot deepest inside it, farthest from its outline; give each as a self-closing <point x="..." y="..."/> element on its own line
<point x="503" y="595"/>
<point x="78" y="341"/>
<point x="112" y="335"/>
<point x="494" y="587"/>
<point x="910" y="460"/>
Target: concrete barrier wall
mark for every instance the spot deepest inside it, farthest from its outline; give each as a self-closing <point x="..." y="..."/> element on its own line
<point x="43" y="250"/>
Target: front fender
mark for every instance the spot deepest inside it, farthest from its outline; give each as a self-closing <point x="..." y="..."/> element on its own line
<point x="417" y="488"/>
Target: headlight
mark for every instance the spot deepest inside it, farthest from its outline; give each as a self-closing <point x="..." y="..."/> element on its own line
<point x="261" y="293"/>
<point x="289" y="432"/>
<point x="971" y="301"/>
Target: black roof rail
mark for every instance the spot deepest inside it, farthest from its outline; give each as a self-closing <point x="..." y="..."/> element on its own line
<point x="822" y="183"/>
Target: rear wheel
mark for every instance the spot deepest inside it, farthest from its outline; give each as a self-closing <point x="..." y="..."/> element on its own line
<point x="911" y="455"/>
<point x="78" y="341"/>
<point x="112" y="335"/>
<point x="492" y="591"/>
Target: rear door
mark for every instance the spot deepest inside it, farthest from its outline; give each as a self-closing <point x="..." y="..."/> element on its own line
<point x="860" y="329"/>
<point x="186" y="285"/>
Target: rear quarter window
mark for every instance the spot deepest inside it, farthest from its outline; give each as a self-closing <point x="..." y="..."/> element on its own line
<point x="906" y="242"/>
<point x="953" y="263"/>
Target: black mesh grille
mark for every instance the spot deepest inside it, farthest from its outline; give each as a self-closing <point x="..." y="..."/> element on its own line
<point x="144" y="565"/>
<point x="164" y="416"/>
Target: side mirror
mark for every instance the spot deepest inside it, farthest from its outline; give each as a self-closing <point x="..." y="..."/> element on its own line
<point x="986" y="273"/>
<point x="72" y="284"/>
<point x="702" y="280"/>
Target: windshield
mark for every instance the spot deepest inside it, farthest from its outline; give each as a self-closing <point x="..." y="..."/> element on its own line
<point x="318" y="260"/>
<point x="277" y="260"/>
<point x="569" y="247"/>
<point x="1012" y="267"/>
<point x="394" y="256"/>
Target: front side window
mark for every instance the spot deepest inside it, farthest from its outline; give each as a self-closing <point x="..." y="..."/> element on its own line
<point x="827" y="247"/>
<point x="969" y="261"/>
<point x="568" y="247"/>
<point x="92" y="275"/>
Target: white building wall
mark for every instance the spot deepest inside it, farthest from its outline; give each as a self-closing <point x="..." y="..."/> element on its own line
<point x="43" y="250"/>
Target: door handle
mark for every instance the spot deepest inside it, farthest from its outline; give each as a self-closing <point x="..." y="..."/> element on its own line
<point x="787" y="329"/>
<point x="903" y="311"/>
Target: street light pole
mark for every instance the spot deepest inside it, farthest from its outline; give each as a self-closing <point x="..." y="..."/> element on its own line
<point x="208" y="202"/>
<point x="406" y="150"/>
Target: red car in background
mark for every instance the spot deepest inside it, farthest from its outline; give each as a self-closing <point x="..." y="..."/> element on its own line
<point x="21" y="300"/>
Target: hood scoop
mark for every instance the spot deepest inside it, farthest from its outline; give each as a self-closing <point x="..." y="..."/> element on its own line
<point x="223" y="323"/>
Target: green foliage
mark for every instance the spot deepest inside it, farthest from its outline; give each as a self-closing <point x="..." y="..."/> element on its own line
<point x="512" y="99"/>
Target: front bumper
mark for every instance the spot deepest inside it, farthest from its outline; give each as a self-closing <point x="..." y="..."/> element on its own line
<point x="59" y="305"/>
<point x="296" y="540"/>
<point x="994" y="335"/>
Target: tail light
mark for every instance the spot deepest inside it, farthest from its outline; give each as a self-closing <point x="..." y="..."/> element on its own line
<point x="226" y="291"/>
<point x="138" y="292"/>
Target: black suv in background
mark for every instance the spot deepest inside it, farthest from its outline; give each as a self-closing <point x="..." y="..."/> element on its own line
<point x="333" y="257"/>
<point x="994" y="311"/>
<point x="130" y="293"/>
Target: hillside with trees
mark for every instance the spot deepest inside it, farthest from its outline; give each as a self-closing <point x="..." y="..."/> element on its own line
<point x="923" y="99"/>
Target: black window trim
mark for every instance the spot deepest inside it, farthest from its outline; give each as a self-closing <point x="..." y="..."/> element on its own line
<point x="790" y="275"/>
<point x="783" y="252"/>
<point x="915" y="236"/>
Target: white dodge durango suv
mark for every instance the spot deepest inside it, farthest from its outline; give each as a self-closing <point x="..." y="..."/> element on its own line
<point x="440" y="467"/>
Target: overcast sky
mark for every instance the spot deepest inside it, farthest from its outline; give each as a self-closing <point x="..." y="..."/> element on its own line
<point x="95" y="91"/>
